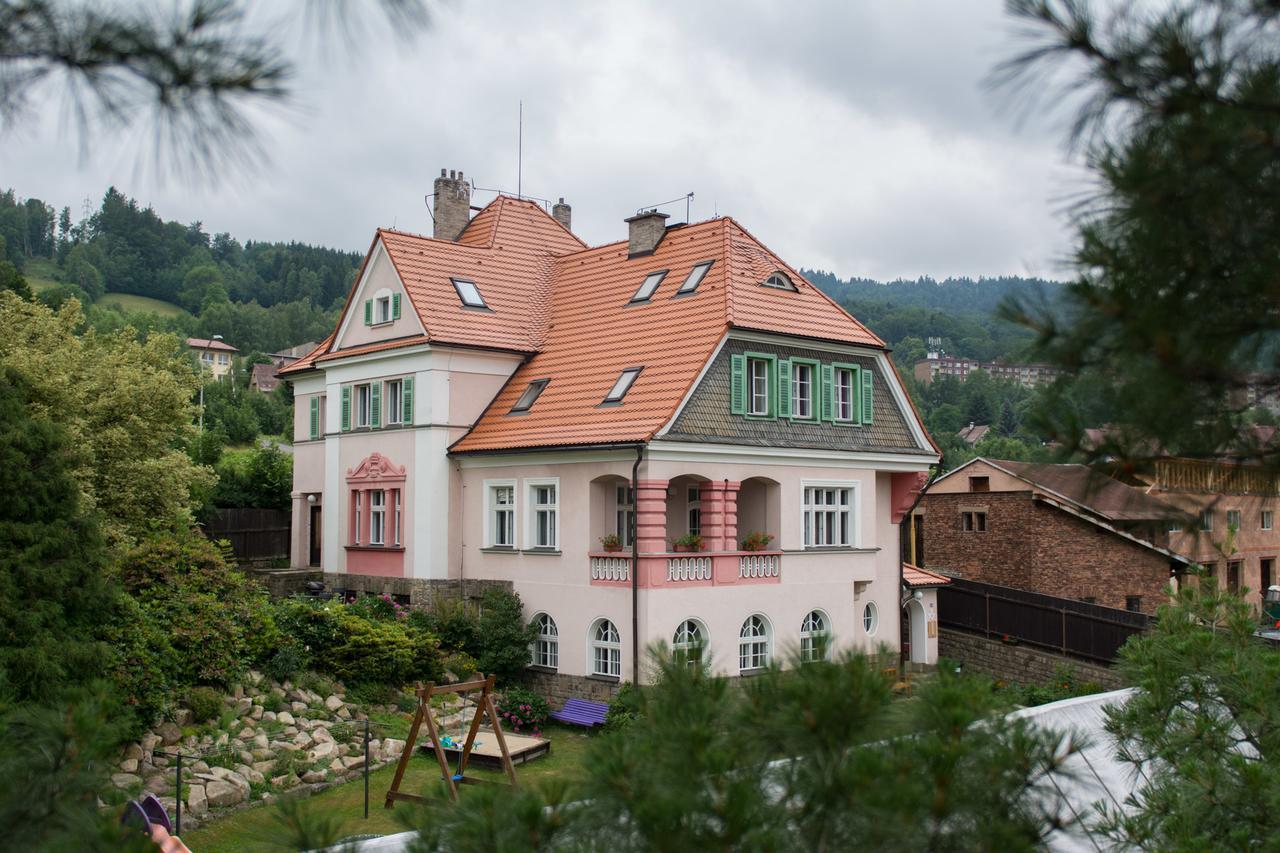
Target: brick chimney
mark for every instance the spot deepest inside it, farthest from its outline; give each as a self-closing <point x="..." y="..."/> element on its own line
<point x="562" y="213"/>
<point x="452" y="205"/>
<point x="646" y="231"/>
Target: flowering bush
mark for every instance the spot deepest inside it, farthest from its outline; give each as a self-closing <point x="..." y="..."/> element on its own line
<point x="523" y="711"/>
<point x="378" y="608"/>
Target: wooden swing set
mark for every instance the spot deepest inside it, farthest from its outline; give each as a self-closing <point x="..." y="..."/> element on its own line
<point x="485" y="708"/>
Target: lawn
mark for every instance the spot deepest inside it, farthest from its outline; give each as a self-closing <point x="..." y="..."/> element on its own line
<point x="134" y="303"/>
<point x="255" y="829"/>
<point x="40" y="274"/>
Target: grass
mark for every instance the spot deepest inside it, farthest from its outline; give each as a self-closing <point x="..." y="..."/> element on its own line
<point x="40" y="274"/>
<point x="255" y="829"/>
<point x="144" y="304"/>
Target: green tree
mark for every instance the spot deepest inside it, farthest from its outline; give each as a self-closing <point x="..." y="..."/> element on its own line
<point x="502" y="636"/>
<point x="1172" y="304"/>
<point x="126" y="405"/>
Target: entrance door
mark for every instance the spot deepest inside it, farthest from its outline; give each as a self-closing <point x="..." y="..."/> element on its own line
<point x="316" y="531"/>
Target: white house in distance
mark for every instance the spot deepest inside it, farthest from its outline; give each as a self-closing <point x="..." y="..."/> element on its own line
<point x="674" y="438"/>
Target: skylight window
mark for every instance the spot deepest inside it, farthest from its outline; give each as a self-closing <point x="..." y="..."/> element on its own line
<point x="651" y="282"/>
<point x="695" y="278"/>
<point x="530" y="396"/>
<point x="469" y="293"/>
<point x="778" y="281"/>
<point x="623" y="385"/>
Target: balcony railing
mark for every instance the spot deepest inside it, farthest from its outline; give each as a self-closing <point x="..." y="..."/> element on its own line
<point x="610" y="569"/>
<point x="688" y="569"/>
<point x="758" y="565"/>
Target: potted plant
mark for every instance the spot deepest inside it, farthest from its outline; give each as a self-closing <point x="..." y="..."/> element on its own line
<point x="688" y="542"/>
<point x="610" y="542"/>
<point x="756" y="541"/>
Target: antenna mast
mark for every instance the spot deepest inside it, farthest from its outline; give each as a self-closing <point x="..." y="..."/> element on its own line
<point x="520" y="154"/>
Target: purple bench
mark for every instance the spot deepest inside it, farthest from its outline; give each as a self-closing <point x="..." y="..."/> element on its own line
<point x="580" y="712"/>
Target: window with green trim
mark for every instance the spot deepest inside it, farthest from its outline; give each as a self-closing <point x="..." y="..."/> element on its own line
<point x="805" y="389"/>
<point x="844" y="393"/>
<point x="759" y="385"/>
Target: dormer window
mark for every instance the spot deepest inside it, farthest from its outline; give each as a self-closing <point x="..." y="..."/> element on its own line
<point x="649" y="285"/>
<point x="694" y="278"/>
<point x="778" y="281"/>
<point x="382" y="309"/>
<point x="468" y="293"/>
<point x="623" y="385"/>
<point x="529" y="397"/>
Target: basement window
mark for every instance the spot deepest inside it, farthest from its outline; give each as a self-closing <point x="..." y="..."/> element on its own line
<point x="623" y="385"/>
<point x="529" y="397"/>
<point x="694" y="278"/>
<point x="468" y="293"/>
<point x="649" y="285"/>
<point x="778" y="281"/>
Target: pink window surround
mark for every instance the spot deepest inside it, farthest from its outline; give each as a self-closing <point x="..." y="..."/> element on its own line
<point x="375" y="473"/>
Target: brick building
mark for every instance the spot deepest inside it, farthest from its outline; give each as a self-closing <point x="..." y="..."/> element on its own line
<point x="1060" y="530"/>
<point x="940" y="364"/>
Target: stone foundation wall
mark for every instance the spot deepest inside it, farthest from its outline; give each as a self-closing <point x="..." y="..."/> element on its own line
<point x="282" y="583"/>
<point x="1017" y="663"/>
<point x="556" y="687"/>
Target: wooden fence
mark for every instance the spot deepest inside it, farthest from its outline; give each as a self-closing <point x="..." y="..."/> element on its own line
<point x="1066" y="626"/>
<point x="255" y="535"/>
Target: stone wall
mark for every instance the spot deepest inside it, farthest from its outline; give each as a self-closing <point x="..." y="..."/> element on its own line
<point x="421" y="591"/>
<point x="556" y="687"/>
<point x="282" y="583"/>
<point x="1017" y="663"/>
<point x="1029" y="545"/>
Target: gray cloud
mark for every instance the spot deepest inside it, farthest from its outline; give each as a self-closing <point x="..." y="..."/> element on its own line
<point x="855" y="137"/>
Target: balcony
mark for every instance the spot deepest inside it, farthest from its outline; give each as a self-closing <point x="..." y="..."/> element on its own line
<point x="685" y="569"/>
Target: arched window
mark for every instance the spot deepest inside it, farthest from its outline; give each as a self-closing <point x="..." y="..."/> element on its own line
<point x="690" y="642"/>
<point x="546" y="646"/>
<point x="753" y="644"/>
<point x="870" y="619"/>
<point x="815" y="636"/>
<point x="779" y="281"/>
<point x="606" y="649"/>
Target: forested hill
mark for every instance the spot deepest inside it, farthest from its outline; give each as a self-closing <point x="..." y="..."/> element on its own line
<point x="961" y="311"/>
<point x="127" y="264"/>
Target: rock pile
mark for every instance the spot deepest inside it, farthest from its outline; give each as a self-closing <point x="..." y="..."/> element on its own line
<point x="270" y="737"/>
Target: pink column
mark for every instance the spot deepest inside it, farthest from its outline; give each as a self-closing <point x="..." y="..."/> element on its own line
<point x="731" y="515"/>
<point x="711" y="496"/>
<point x="651" y="516"/>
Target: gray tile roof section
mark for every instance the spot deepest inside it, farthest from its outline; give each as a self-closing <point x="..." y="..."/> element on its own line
<point x="706" y="417"/>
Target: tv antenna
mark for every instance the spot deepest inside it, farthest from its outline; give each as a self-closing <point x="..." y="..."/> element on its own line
<point x="687" y="198"/>
<point x="520" y="152"/>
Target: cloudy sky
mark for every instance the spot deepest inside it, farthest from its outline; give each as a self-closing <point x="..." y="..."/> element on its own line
<point x="851" y="136"/>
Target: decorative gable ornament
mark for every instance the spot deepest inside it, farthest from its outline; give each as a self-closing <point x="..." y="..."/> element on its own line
<point x="376" y="469"/>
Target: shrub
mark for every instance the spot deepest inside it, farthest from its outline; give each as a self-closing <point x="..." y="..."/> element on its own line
<point x="449" y="620"/>
<point x="624" y="708"/>
<point x="378" y="608"/>
<point x="462" y="665"/>
<point x="289" y="659"/>
<point x="407" y="703"/>
<point x="205" y="703"/>
<point x="503" y="635"/>
<point x="373" y="694"/>
<point x="522" y="710"/>
<point x="1064" y="685"/>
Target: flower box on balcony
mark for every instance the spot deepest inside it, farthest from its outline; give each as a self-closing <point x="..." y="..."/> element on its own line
<point x="688" y="543"/>
<point x="611" y="543"/>
<point x="756" y="541"/>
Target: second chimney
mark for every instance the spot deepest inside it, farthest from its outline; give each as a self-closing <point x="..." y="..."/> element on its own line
<point x="562" y="213"/>
<point x="646" y="230"/>
<point x="452" y="205"/>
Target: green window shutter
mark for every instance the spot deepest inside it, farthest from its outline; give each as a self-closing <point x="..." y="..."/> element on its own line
<point x="395" y="306"/>
<point x="346" y="407"/>
<point x="866" y="396"/>
<point x="784" y="388"/>
<point x="828" y="412"/>
<point x="368" y="312"/>
<point x="738" y="384"/>
<point x="406" y="395"/>
<point x="375" y="404"/>
<point x="315" y="417"/>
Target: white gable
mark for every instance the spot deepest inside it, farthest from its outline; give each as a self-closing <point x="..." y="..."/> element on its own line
<point x="379" y="282"/>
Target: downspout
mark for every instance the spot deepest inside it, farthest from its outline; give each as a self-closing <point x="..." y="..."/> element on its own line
<point x="635" y="566"/>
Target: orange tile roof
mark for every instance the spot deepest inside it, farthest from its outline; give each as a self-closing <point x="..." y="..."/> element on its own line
<point x="569" y="308"/>
<point x="915" y="576"/>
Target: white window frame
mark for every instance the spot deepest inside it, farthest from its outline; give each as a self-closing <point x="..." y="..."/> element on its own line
<point x="377" y="517"/>
<point x="854" y="512"/>
<point x="1267" y="519"/>
<point x="363" y="408"/>
<point x="683" y="643"/>
<point x="355" y="536"/>
<point x="490" y="511"/>
<point x="624" y="515"/>
<point x="382" y="308"/>
<point x="808" y="636"/>
<point x="535" y="509"/>
<point x="750" y="658"/>
<point x="691" y="505"/>
<point x="604" y="650"/>
<point x="545" y="650"/>
<point x="754" y="393"/>
<point x="398" y="516"/>
<point x="844" y="406"/>
<point x="796" y="398"/>
<point x="870" y="618"/>
<point x="393" y="403"/>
